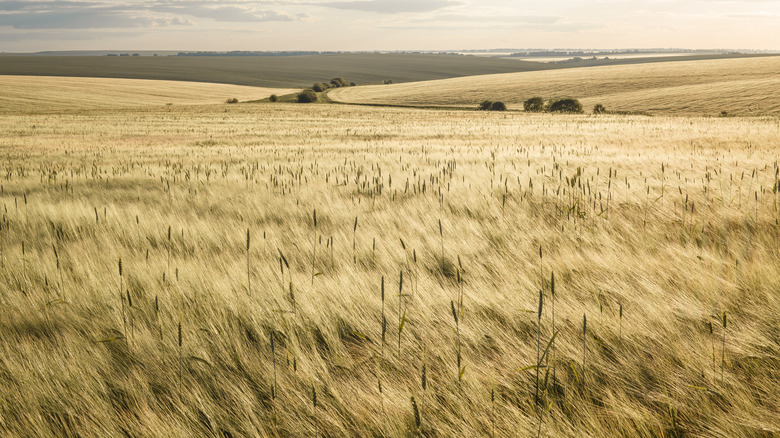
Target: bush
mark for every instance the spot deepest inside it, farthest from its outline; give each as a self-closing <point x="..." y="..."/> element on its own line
<point x="338" y="82"/>
<point x="320" y="87"/>
<point x="232" y="100"/>
<point x="498" y="106"/>
<point x="599" y="109"/>
<point x="534" y="105"/>
<point x="485" y="105"/>
<point x="273" y="98"/>
<point x="352" y="84"/>
<point x="307" y="96"/>
<point x="566" y="106"/>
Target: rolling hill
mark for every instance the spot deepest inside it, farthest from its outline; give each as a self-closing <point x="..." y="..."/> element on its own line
<point x="747" y="86"/>
<point x="268" y="71"/>
<point x="36" y="94"/>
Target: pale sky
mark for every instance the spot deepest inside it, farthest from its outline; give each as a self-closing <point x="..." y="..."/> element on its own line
<point x="386" y="24"/>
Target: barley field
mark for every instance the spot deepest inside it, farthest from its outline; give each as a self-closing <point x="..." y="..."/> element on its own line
<point x="330" y="270"/>
<point x="746" y="87"/>
<point x="46" y="94"/>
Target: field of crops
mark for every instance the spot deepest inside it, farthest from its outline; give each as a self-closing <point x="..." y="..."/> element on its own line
<point x="46" y="94"/>
<point x="738" y="86"/>
<point x="328" y="270"/>
<point x="268" y="71"/>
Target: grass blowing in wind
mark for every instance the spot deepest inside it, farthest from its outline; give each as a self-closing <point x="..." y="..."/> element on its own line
<point x="220" y="335"/>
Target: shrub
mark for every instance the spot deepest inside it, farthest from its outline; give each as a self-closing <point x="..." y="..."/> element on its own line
<point x="352" y="84"/>
<point x="232" y="100"/>
<point x="485" y="105"/>
<point x="273" y="98"/>
<point x="320" y="87"/>
<point x="307" y="96"/>
<point x="566" y="106"/>
<point x="599" y="109"/>
<point x="387" y="81"/>
<point x="338" y="82"/>
<point x="534" y="105"/>
<point x="498" y="106"/>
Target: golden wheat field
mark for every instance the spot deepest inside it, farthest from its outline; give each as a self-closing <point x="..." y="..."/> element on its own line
<point x="44" y="94"/>
<point x="747" y="86"/>
<point x="328" y="270"/>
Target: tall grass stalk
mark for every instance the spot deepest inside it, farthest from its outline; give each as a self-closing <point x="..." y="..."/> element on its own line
<point x="384" y="320"/>
<point x="552" y="296"/>
<point x="401" y="317"/>
<point x="584" y="346"/>
<point x="459" y="371"/>
<point x="441" y="237"/>
<point x="424" y="382"/>
<point x="354" y="238"/>
<point x="157" y="316"/>
<point x="538" y="344"/>
<point x="273" y="358"/>
<point x="723" y="349"/>
<point x="314" y="408"/>
<point x="248" y="279"/>
<point x="169" y="251"/>
<point x="712" y="344"/>
<point x="24" y="269"/>
<point x="122" y="299"/>
<point x="314" y="247"/>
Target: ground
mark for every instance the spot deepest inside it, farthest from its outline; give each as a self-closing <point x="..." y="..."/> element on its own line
<point x="661" y="231"/>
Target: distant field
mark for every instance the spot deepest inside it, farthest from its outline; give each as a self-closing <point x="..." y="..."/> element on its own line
<point x="25" y="94"/>
<point x="739" y="86"/>
<point x="264" y="71"/>
<point x="288" y="71"/>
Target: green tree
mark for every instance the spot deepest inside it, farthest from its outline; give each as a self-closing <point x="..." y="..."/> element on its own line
<point x="572" y="106"/>
<point x="534" y="105"/>
<point x="338" y="82"/>
<point x="485" y="105"/>
<point x="307" y="96"/>
<point x="498" y="106"/>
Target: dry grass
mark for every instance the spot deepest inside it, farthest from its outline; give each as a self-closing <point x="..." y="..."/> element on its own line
<point x="739" y="86"/>
<point x="38" y="94"/>
<point x="210" y="173"/>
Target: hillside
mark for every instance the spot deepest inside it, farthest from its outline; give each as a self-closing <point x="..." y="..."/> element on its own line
<point x="747" y="86"/>
<point x="36" y="94"/>
<point x="265" y="71"/>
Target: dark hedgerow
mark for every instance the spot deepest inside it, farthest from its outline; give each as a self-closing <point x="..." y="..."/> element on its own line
<point x="307" y="96"/>
<point x="320" y="87"/>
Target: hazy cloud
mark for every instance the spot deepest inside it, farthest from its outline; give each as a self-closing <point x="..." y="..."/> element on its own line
<point x="504" y="19"/>
<point x="86" y="19"/>
<point x="235" y="13"/>
<point x="391" y="6"/>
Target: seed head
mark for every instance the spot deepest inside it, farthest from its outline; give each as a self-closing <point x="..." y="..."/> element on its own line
<point x="454" y="312"/>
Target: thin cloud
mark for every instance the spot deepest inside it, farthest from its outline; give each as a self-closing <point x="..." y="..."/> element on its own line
<point x="391" y="6"/>
<point x="86" y="19"/>
<point x="232" y="14"/>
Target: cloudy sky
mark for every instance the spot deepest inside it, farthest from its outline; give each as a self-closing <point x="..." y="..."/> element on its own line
<point x="386" y="24"/>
